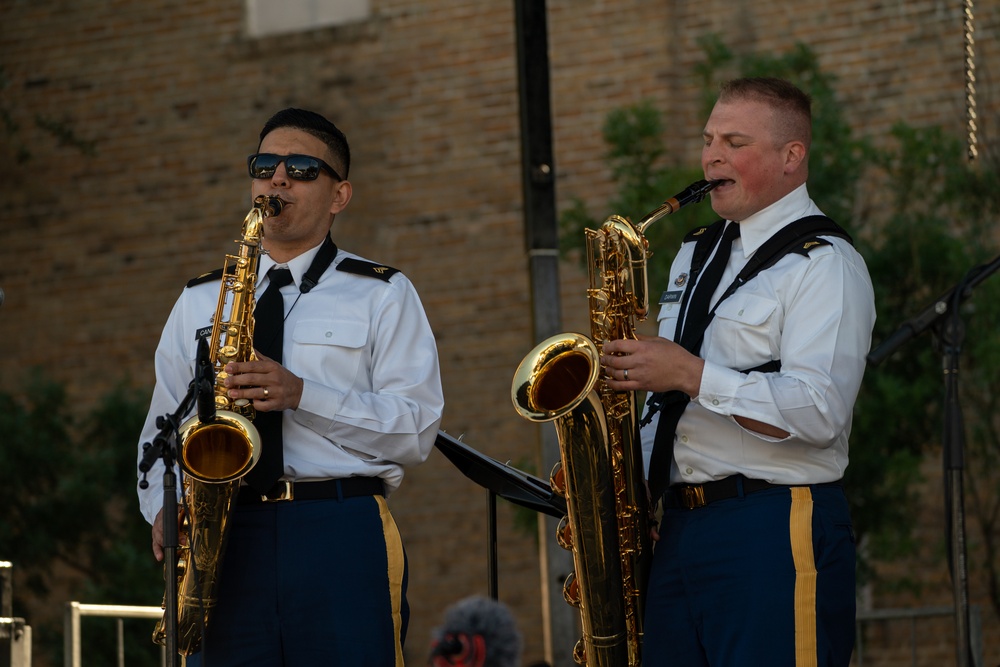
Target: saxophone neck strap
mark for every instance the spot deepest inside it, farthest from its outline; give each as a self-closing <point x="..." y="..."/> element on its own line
<point x="321" y="262"/>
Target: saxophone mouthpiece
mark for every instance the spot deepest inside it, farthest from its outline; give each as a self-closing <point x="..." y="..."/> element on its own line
<point x="270" y="206"/>
<point x="692" y="194"/>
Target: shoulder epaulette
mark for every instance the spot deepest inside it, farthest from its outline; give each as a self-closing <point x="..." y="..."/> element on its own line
<point x="205" y="278"/>
<point x="210" y="276"/>
<point x="807" y="245"/>
<point x="370" y="269"/>
<point x="695" y="233"/>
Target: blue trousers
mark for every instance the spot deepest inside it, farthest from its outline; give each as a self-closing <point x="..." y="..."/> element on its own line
<point x="310" y="582"/>
<point x="762" y="579"/>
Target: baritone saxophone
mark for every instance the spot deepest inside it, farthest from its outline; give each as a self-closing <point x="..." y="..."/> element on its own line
<point x="600" y="469"/>
<point x="216" y="455"/>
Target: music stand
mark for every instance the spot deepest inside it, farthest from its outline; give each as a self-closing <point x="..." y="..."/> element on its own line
<point x="502" y="480"/>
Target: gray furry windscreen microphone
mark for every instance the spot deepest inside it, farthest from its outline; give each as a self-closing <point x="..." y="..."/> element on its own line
<point x="477" y="632"/>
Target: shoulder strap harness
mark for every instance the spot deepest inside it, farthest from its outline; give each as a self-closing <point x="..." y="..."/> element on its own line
<point x="800" y="236"/>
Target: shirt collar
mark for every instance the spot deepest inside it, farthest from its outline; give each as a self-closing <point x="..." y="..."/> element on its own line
<point x="759" y="227"/>
<point x="297" y="265"/>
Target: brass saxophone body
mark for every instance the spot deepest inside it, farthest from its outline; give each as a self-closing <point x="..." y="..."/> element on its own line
<point x="600" y="469"/>
<point x="216" y="455"/>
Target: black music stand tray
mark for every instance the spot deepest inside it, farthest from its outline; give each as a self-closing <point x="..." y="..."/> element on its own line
<point x="502" y="480"/>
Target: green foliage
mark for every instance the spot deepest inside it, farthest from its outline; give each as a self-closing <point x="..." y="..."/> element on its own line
<point x="635" y="138"/>
<point x="67" y="484"/>
<point x="930" y="224"/>
<point x="933" y="231"/>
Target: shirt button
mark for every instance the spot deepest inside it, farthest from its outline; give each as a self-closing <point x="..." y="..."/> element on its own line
<point x="684" y="438"/>
<point x="329" y="334"/>
<point x="688" y="471"/>
<point x="715" y="401"/>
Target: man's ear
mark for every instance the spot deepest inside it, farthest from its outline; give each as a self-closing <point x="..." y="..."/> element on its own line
<point x="795" y="155"/>
<point x="342" y="196"/>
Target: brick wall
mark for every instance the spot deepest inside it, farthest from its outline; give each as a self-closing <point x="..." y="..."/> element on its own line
<point x="94" y="250"/>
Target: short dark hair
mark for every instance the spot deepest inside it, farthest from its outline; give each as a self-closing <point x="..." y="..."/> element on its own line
<point x="779" y="94"/>
<point x="319" y="127"/>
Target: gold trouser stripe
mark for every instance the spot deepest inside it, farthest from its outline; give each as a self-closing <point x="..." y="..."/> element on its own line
<point x="800" y="530"/>
<point x="394" y="554"/>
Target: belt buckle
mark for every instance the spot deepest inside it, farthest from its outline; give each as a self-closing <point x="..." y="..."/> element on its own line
<point x="693" y="496"/>
<point x="287" y="493"/>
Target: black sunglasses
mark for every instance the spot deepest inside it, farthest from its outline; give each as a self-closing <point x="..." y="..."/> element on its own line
<point x="298" y="167"/>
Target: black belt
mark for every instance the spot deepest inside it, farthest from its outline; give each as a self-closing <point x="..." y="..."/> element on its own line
<point x="348" y="487"/>
<point x="691" y="496"/>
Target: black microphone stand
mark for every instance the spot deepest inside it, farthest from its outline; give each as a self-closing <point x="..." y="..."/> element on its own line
<point x="164" y="446"/>
<point x="943" y="317"/>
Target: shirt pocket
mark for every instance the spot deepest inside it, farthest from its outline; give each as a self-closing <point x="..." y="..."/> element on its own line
<point x="745" y="331"/>
<point x="666" y="320"/>
<point x="330" y="352"/>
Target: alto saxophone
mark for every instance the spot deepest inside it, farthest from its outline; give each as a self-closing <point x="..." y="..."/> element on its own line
<point x="600" y="469"/>
<point x="215" y="455"/>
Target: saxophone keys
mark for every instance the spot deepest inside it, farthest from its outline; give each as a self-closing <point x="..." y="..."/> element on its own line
<point x="571" y="590"/>
<point x="564" y="534"/>
<point x="557" y="479"/>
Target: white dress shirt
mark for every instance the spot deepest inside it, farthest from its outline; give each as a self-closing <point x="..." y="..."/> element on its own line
<point x="371" y="399"/>
<point x="815" y="314"/>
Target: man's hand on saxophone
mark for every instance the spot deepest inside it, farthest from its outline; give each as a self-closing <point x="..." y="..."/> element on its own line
<point x="651" y="364"/>
<point x="657" y="364"/>
<point x="158" y="534"/>
<point x="267" y="383"/>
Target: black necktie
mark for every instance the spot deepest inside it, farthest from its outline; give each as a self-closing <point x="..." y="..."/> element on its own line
<point x="697" y="311"/>
<point x="268" y="336"/>
<point x="695" y="322"/>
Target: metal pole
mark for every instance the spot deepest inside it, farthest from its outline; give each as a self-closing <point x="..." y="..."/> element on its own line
<point x="541" y="231"/>
<point x="491" y="548"/>
<point x="6" y="589"/>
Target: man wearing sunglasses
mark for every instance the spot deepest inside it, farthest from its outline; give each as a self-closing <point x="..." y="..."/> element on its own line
<point x="314" y="571"/>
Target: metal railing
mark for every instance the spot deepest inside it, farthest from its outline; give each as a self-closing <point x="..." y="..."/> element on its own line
<point x="15" y="634"/>
<point x="72" y="643"/>
<point x="76" y="610"/>
<point x="15" y="642"/>
<point x="914" y="615"/>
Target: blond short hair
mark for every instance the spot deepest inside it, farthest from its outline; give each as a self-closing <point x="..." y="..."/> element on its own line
<point x="792" y="107"/>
